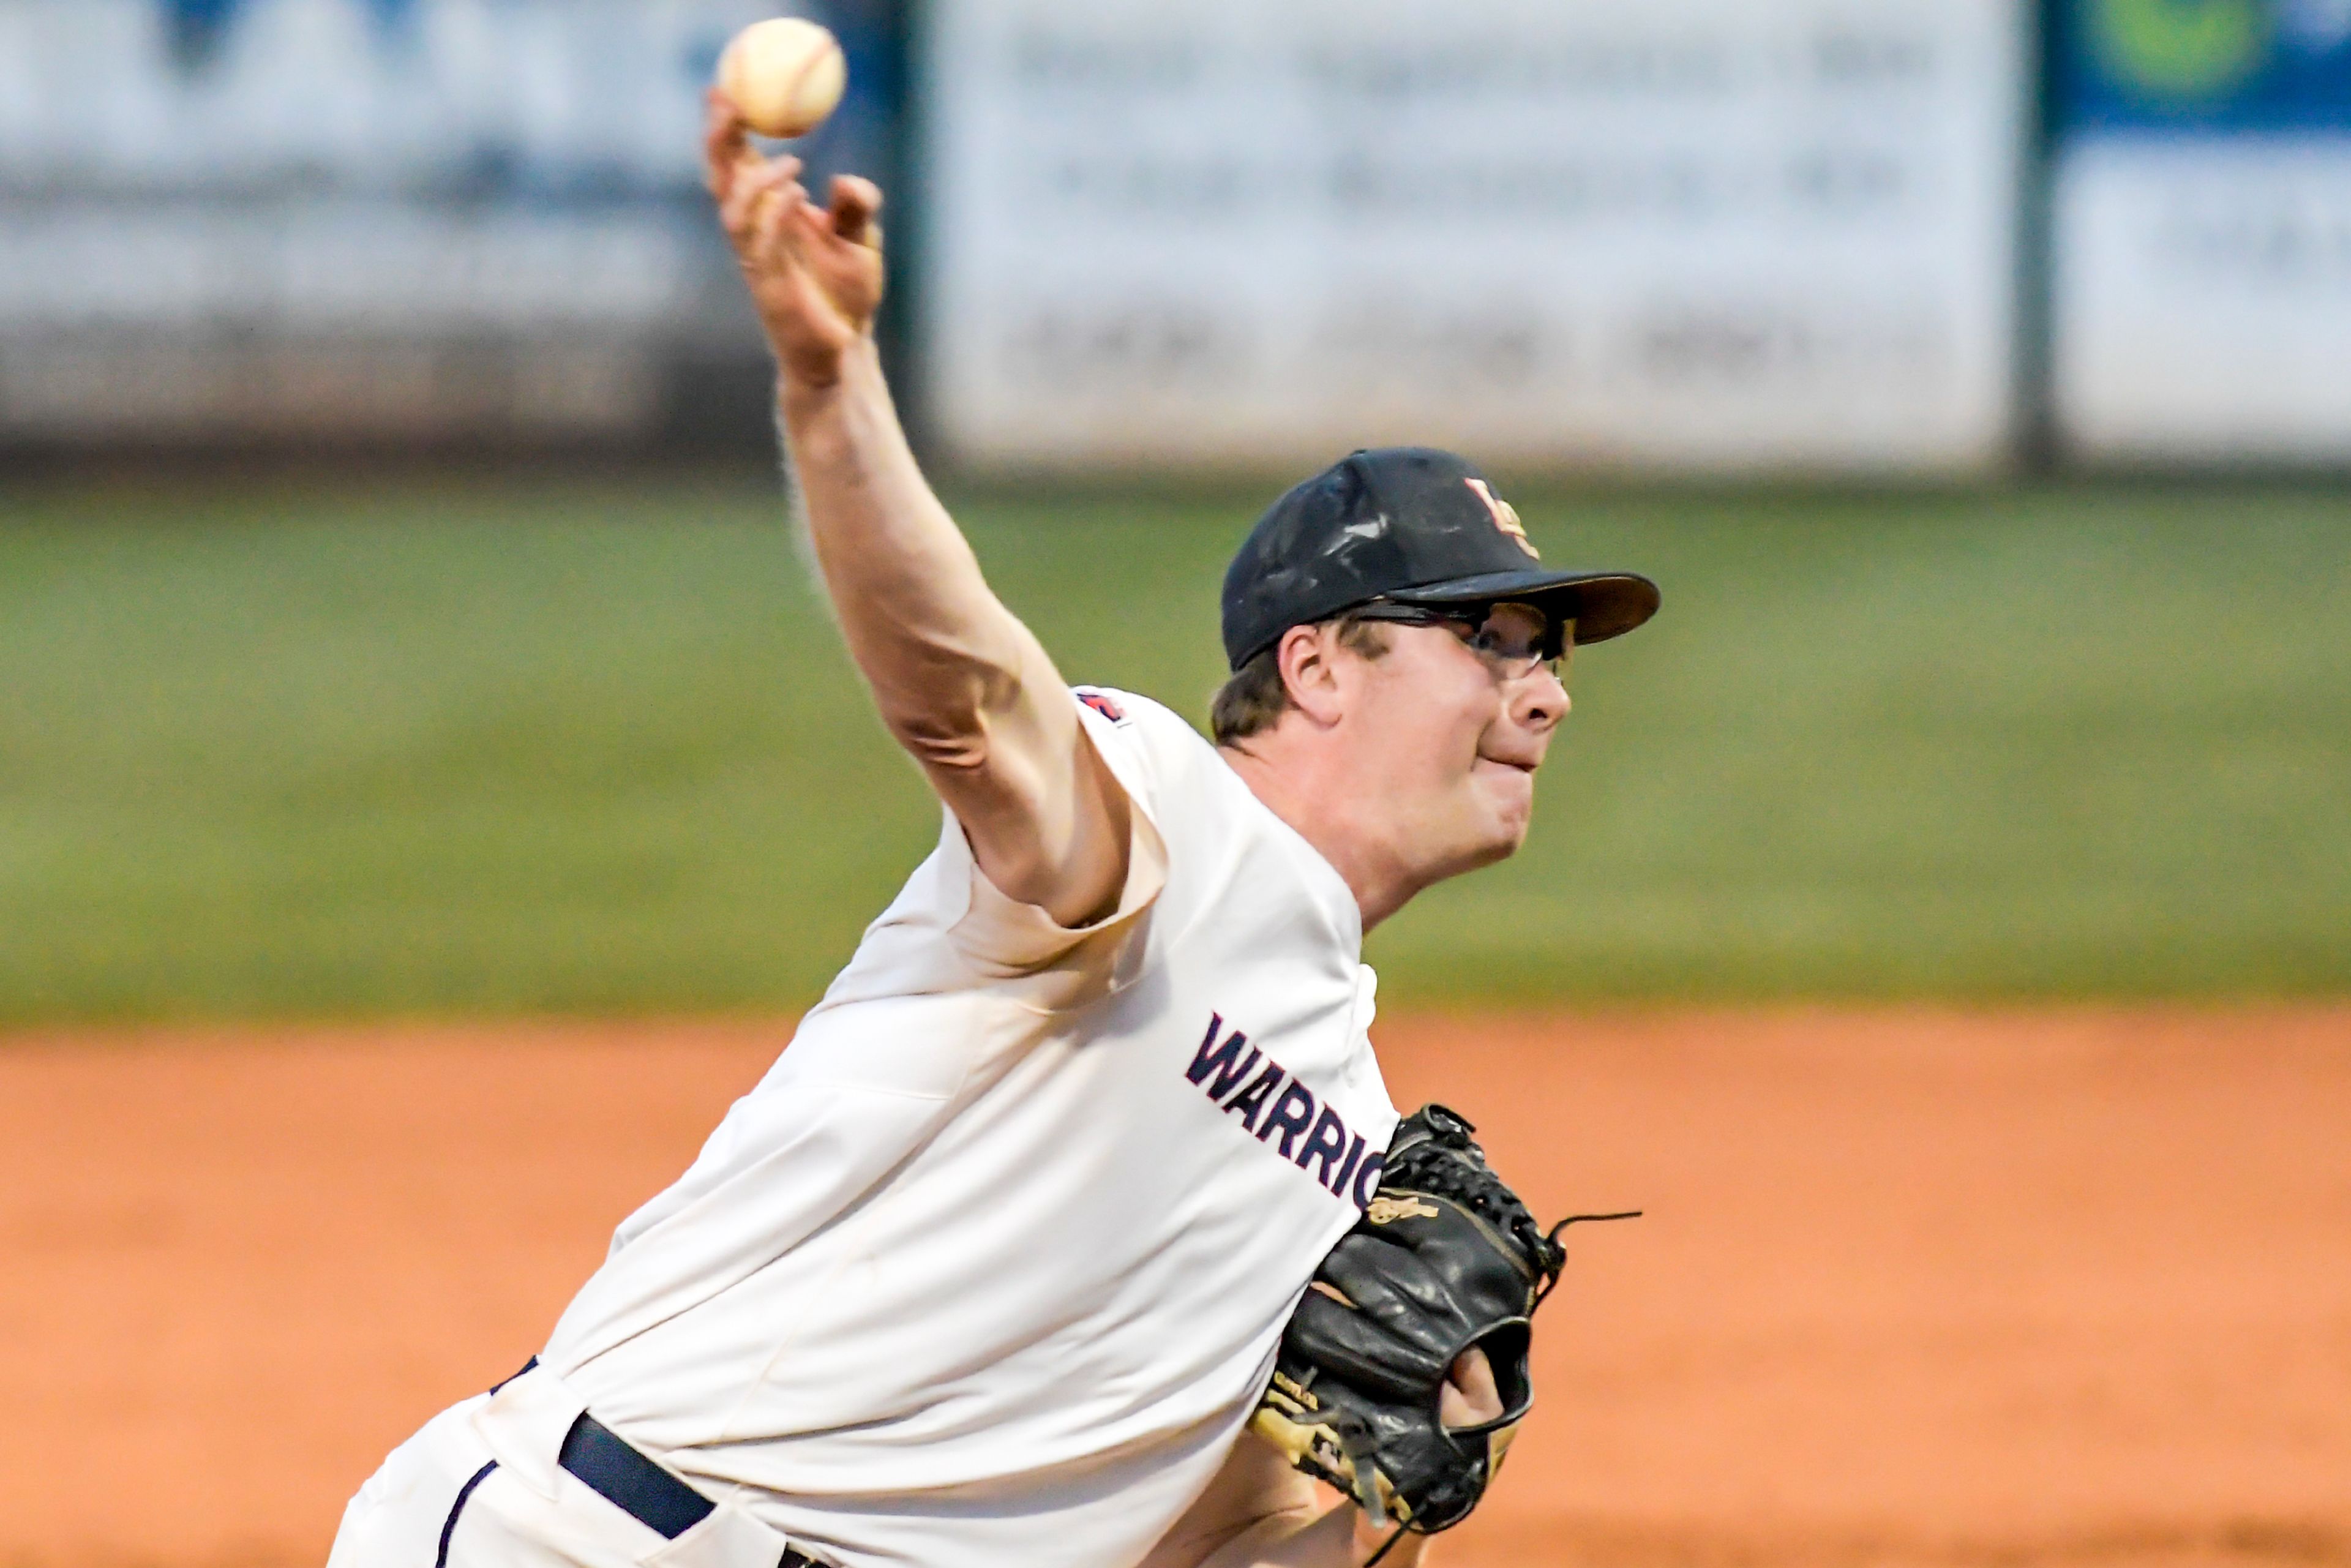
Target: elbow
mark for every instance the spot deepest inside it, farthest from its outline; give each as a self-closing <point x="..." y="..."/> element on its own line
<point x="946" y="720"/>
<point x="955" y="741"/>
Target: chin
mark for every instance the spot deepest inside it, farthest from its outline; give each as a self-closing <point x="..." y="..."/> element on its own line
<point x="1498" y="838"/>
<point x="1482" y="820"/>
<point x="1508" y="798"/>
<point x="1506" y="843"/>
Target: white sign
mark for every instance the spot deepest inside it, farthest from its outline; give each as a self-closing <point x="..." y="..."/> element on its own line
<point x="1719" y="234"/>
<point x="2204" y="298"/>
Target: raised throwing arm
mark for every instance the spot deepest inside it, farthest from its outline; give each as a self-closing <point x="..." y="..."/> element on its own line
<point x="961" y="684"/>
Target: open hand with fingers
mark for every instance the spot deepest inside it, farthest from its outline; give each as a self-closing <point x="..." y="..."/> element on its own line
<point x="815" y="272"/>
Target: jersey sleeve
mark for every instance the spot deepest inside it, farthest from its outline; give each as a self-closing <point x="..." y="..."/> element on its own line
<point x="1003" y="935"/>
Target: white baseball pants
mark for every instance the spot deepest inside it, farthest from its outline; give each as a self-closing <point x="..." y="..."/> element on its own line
<point x="480" y="1487"/>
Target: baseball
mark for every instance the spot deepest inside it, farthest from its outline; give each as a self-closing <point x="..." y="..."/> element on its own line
<point x="785" y="75"/>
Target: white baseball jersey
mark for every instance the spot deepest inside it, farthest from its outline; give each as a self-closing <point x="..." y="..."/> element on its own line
<point x="991" y="1267"/>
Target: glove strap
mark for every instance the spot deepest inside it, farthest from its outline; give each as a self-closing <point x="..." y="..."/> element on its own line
<point x="1552" y="1237"/>
<point x="1385" y="1547"/>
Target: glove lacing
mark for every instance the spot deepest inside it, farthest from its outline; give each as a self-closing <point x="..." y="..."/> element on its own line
<point x="1444" y="1168"/>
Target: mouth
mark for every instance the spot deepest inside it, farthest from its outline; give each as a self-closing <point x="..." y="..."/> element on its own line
<point x="1526" y="767"/>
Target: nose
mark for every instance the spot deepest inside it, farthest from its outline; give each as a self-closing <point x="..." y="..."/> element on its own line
<point x="1538" y="701"/>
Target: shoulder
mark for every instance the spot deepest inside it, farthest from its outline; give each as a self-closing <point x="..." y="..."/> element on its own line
<point x="1204" y="813"/>
<point x="1129" y="710"/>
<point x="1172" y="775"/>
<point x="1135" y="733"/>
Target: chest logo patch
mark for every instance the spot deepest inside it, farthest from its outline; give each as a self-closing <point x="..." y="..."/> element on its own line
<point x="1284" y="1115"/>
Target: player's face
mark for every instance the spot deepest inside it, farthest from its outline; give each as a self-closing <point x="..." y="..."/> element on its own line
<point x="1464" y="712"/>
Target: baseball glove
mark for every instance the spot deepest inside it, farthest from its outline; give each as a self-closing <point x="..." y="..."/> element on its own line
<point x="1446" y="1259"/>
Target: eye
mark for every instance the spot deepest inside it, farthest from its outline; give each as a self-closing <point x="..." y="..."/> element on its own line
<point x="1501" y="643"/>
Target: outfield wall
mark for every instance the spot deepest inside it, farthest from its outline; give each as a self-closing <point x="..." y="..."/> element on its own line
<point x="1741" y="236"/>
<point x="1692" y="233"/>
<point x="2202" y="230"/>
<point x="403" y="219"/>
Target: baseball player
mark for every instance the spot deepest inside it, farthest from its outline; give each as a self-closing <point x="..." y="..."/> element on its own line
<point x="992" y="1267"/>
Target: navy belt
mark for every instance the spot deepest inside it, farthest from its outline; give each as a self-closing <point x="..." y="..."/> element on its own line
<point x="609" y="1467"/>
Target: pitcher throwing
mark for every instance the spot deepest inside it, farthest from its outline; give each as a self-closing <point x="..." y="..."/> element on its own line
<point x="994" y="1267"/>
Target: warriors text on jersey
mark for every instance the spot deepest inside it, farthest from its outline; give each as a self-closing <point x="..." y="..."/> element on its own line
<point x="991" y="1268"/>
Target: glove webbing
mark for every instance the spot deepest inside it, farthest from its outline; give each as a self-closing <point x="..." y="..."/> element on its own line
<point x="1444" y="1170"/>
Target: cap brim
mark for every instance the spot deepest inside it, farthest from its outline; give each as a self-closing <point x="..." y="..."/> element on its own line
<point x="1602" y="604"/>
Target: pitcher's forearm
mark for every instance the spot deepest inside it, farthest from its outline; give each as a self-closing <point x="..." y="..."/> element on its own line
<point x="1337" y="1539"/>
<point x="961" y="684"/>
<point x="942" y="655"/>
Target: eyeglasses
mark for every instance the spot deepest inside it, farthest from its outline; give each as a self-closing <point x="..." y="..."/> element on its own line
<point x="1511" y="645"/>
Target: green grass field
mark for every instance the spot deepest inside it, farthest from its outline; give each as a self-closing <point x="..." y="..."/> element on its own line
<point x="500" y="747"/>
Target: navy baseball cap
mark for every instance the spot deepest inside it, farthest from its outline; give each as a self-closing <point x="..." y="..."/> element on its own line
<point x="1406" y="525"/>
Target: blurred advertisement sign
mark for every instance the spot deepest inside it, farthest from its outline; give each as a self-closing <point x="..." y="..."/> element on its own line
<point x="1710" y="234"/>
<point x="2203" y="229"/>
<point x="366" y="217"/>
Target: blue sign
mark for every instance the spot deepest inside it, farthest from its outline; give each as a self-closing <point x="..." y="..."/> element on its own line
<point x="470" y="144"/>
<point x="2244" y="66"/>
<point x="197" y="27"/>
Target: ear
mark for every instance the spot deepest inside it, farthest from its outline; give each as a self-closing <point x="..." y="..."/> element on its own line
<point x="1309" y="674"/>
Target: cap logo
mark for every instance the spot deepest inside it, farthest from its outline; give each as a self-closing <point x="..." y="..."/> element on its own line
<point x="1506" y="517"/>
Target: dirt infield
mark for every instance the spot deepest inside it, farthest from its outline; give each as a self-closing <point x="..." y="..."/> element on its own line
<point x="1914" y="1287"/>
